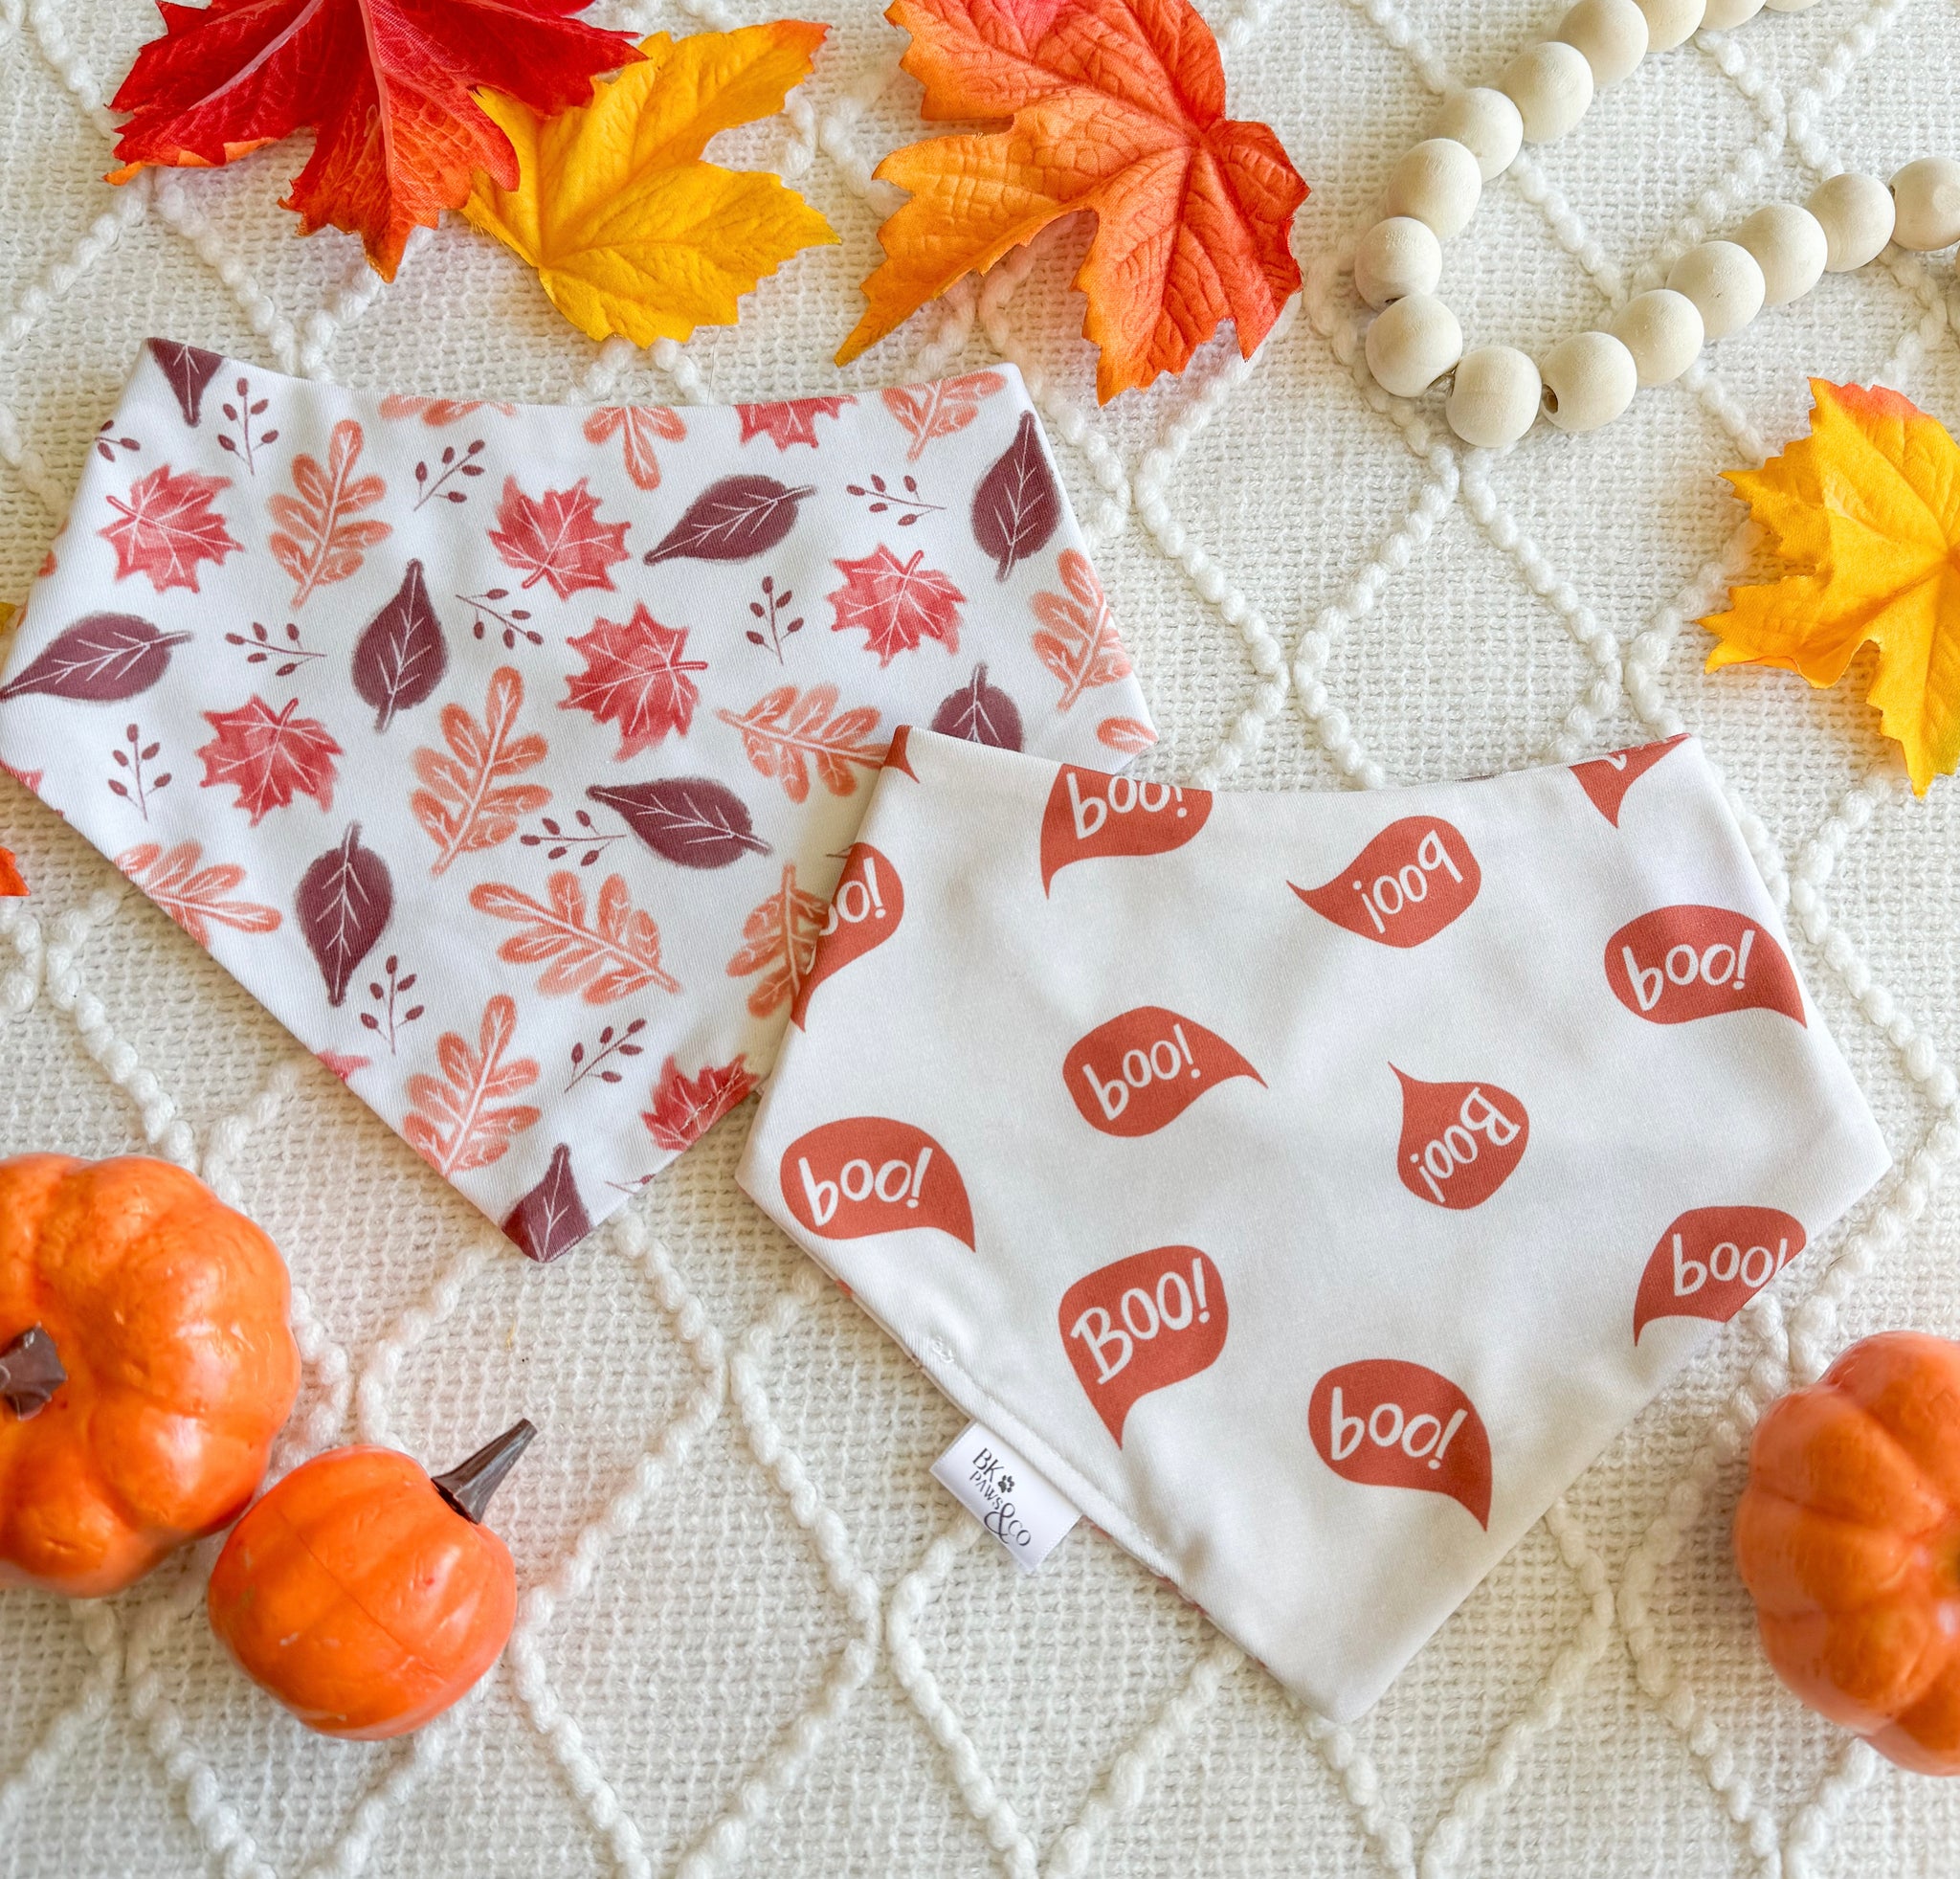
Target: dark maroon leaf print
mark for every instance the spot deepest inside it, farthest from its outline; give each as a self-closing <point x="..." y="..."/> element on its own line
<point x="1017" y="506"/>
<point x="344" y="903"/>
<point x="100" y="659"/>
<point x="190" y="368"/>
<point x="981" y="713"/>
<point x="693" y="822"/>
<point x="401" y="658"/>
<point x="733" y="520"/>
<point x="551" y="1218"/>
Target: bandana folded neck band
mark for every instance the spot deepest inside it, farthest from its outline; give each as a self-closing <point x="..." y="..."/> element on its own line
<point x="1311" y="1186"/>
<point x="508" y="755"/>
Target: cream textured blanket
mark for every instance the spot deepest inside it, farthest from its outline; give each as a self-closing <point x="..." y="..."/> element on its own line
<point x="756" y="1637"/>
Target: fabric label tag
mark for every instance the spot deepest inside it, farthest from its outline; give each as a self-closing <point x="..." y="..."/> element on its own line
<point x="1007" y="1496"/>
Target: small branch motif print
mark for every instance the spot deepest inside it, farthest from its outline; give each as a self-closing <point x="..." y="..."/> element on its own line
<point x="881" y="498"/>
<point x="511" y="623"/>
<point x="587" y="836"/>
<point x="429" y="482"/>
<point x="106" y="445"/>
<point x="244" y="444"/>
<point x="293" y="653"/>
<point x="391" y="1020"/>
<point x="132" y="786"/>
<point x="770" y="610"/>
<point x="612" y="1042"/>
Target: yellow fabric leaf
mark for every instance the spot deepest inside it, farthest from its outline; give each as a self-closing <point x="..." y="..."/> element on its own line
<point x="1867" y="510"/>
<point x="630" y="231"/>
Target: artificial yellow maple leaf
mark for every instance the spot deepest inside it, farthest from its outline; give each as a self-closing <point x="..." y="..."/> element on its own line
<point x="630" y="231"/>
<point x="1867" y="508"/>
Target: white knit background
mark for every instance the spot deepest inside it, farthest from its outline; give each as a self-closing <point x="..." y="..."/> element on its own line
<point x="755" y="1637"/>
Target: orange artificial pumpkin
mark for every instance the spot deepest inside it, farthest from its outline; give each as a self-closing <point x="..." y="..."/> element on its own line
<point x="1848" y="1538"/>
<point x="146" y="1365"/>
<point x="365" y="1595"/>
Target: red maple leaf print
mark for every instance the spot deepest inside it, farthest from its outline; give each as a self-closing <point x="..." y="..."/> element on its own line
<point x="686" y="1108"/>
<point x="897" y="603"/>
<point x="789" y="420"/>
<point x="166" y="527"/>
<point x="196" y="897"/>
<point x="270" y="757"/>
<point x="637" y="679"/>
<point x="645" y="426"/>
<point x="779" y="941"/>
<point x="558" y="536"/>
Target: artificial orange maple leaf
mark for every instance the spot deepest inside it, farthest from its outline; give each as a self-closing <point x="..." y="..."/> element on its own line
<point x="12" y="886"/>
<point x="386" y="83"/>
<point x="1867" y="510"/>
<point x="1118" y="108"/>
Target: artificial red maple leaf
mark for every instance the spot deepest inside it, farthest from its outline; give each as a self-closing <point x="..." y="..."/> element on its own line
<point x="637" y="679"/>
<point x="166" y="527"/>
<point x="559" y="537"/>
<point x="685" y="1108"/>
<point x="270" y="757"/>
<point x="897" y="603"/>
<point x="385" y="83"/>
<point x="790" y="420"/>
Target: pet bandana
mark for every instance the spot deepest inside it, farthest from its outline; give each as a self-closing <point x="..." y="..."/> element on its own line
<point x="509" y="755"/>
<point x="1309" y="1186"/>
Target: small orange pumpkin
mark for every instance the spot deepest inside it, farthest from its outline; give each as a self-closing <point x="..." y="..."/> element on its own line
<point x="1848" y="1538"/>
<point x="146" y="1365"/>
<point x="365" y="1595"/>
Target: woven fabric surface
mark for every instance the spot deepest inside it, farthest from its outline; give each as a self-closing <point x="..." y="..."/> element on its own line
<point x="754" y="1636"/>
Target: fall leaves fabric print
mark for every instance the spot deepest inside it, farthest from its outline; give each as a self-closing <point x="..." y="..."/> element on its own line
<point x="1309" y="1186"/>
<point x="509" y="755"/>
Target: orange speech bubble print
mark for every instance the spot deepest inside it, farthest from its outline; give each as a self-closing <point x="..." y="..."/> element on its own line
<point x="1144" y="1068"/>
<point x="1404" y="888"/>
<point x="865" y="911"/>
<point x="1459" y="1140"/>
<point x="899" y="753"/>
<point x="1712" y="1260"/>
<point x="1607" y="779"/>
<point x="1680" y="963"/>
<point x="868" y="1175"/>
<point x="1387" y="1423"/>
<point x="1143" y="1324"/>
<point x="1091" y="813"/>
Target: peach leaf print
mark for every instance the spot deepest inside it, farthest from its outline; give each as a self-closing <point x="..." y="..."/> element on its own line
<point x="195" y="896"/>
<point x="1078" y="640"/>
<point x="316" y="540"/>
<point x="464" y="1119"/>
<point x="786" y="733"/>
<point x="684" y="1109"/>
<point x="779" y="943"/>
<point x="467" y="804"/>
<point x="608" y="957"/>
<point x="925" y="412"/>
<point x="644" y="427"/>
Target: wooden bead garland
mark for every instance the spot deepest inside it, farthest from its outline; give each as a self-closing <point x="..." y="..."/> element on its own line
<point x="1715" y="289"/>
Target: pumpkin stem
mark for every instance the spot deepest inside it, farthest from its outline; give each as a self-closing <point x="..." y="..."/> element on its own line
<point x="468" y="1488"/>
<point x="30" y="1371"/>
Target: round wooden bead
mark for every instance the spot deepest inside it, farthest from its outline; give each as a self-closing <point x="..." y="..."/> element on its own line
<point x="1494" y="400"/>
<point x="1486" y="123"/>
<point x="1396" y="258"/>
<point x="1670" y="21"/>
<point x="1588" y="380"/>
<point x="1855" y="213"/>
<point x="1663" y="332"/>
<point x="1412" y="344"/>
<point x="1552" y="85"/>
<point x="1927" y="205"/>
<point x="1726" y="15"/>
<point x="1725" y="284"/>
<point x="1790" y="247"/>
<point x="1438" y="183"/>
<point x="1612" y="33"/>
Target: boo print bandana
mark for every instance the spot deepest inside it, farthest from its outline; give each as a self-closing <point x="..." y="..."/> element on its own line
<point x="509" y="755"/>
<point x="1309" y="1185"/>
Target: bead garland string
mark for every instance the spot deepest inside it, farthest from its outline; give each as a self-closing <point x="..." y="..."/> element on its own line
<point x="1498" y="392"/>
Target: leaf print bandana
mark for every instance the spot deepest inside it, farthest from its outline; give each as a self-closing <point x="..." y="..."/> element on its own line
<point x="509" y="755"/>
<point x="1308" y="1186"/>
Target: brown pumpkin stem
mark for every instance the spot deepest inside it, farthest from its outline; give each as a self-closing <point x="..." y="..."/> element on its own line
<point x="30" y="1371"/>
<point x="468" y="1488"/>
